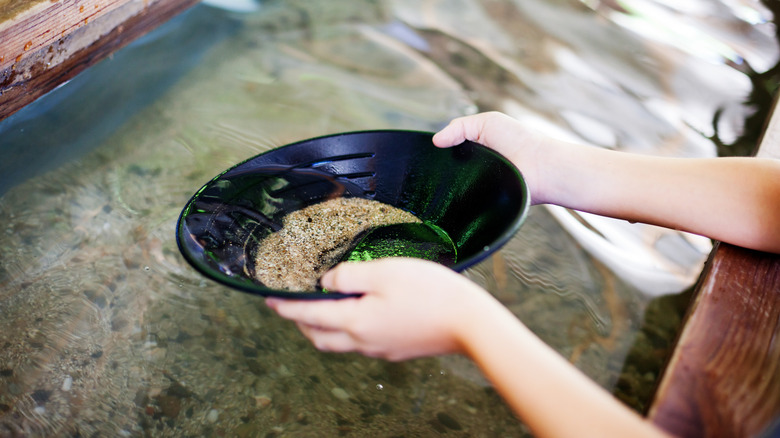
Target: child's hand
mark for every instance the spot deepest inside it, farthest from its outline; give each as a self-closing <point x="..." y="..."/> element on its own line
<point x="524" y="147"/>
<point x="492" y="129"/>
<point x="410" y="308"/>
<point x="701" y="196"/>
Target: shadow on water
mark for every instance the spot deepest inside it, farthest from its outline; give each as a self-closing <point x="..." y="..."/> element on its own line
<point x="765" y="85"/>
<point x="106" y="330"/>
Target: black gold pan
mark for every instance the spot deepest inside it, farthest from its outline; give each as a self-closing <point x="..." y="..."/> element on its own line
<point x="469" y="192"/>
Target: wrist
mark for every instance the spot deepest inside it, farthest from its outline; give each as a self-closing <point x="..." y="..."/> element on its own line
<point x="479" y="320"/>
<point x="549" y="168"/>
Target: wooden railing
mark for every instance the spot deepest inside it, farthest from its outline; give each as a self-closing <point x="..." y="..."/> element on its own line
<point x="723" y="379"/>
<point x="45" y="43"/>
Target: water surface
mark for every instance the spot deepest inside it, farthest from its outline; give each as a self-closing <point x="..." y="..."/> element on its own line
<point x="106" y="330"/>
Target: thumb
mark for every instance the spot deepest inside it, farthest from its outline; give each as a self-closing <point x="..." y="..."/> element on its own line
<point x="456" y="132"/>
<point x="466" y="128"/>
<point x="377" y="275"/>
<point x="350" y="277"/>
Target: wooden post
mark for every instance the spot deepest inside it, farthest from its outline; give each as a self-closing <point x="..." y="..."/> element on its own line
<point x="46" y="43"/>
<point x="723" y="379"/>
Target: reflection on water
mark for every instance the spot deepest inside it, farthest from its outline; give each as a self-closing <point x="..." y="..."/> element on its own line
<point x="106" y="330"/>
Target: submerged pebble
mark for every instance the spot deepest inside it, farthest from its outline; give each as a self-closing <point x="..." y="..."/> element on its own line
<point x="67" y="383"/>
<point x="448" y="421"/>
<point x="340" y="393"/>
<point x="41" y="396"/>
<point x="262" y="401"/>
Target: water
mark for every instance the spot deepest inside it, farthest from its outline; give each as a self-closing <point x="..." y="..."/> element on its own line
<point x="106" y="330"/>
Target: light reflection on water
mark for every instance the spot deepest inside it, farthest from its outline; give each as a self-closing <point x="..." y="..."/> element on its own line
<point x="106" y="330"/>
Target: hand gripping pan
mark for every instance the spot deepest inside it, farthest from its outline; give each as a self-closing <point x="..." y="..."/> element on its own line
<point x="469" y="191"/>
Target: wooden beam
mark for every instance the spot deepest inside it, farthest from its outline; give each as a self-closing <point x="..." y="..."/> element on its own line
<point x="723" y="379"/>
<point x="48" y="43"/>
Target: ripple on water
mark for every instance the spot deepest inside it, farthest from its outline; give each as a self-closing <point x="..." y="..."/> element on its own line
<point x="93" y="342"/>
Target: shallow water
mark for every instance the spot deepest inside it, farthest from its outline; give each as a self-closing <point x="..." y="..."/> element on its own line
<point x="106" y="330"/>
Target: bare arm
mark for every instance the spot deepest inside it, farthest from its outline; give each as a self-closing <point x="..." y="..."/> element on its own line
<point x="551" y="396"/>
<point x="736" y="200"/>
<point x="414" y="308"/>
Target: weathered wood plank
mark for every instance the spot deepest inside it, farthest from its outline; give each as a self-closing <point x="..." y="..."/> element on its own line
<point x="51" y="42"/>
<point x="723" y="379"/>
<point x="45" y="23"/>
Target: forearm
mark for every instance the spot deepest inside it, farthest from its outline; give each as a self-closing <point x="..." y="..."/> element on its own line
<point x="550" y="395"/>
<point x="736" y="200"/>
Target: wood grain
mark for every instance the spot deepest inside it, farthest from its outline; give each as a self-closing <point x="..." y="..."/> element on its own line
<point x="45" y="23"/>
<point x="51" y="42"/>
<point x="724" y="376"/>
<point x="723" y="379"/>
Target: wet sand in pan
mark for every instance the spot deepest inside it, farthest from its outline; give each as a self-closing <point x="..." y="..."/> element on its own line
<point x="315" y="238"/>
